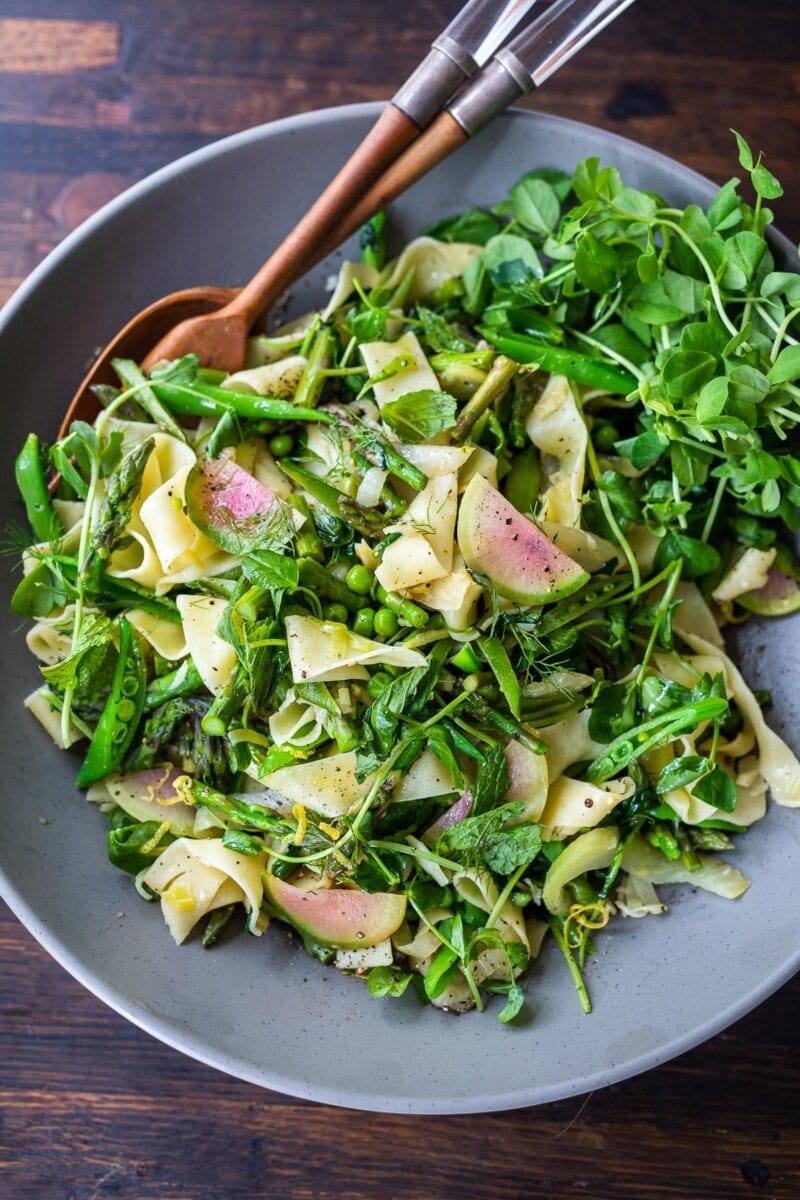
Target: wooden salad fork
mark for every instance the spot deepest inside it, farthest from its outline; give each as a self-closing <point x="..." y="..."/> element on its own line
<point x="214" y="323"/>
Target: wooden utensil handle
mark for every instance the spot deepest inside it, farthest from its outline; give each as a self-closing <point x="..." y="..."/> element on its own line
<point x="391" y="134"/>
<point x="441" y="138"/>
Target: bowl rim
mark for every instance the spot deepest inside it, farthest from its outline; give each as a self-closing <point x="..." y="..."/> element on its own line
<point x="167" y="1030"/>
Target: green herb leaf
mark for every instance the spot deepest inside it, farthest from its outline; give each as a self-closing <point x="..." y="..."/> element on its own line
<point x="384" y="981"/>
<point x="786" y="367"/>
<point x="716" y="788"/>
<point x="681" y="771"/>
<point x="535" y="205"/>
<point x="613" y="711"/>
<point x="698" y="557"/>
<point x="471" y="226"/>
<point x="514" y="1001"/>
<point x="271" y="570"/>
<point x="418" y="416"/>
<point x="597" y="265"/>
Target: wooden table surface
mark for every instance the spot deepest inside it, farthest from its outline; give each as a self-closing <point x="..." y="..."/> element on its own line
<point x="95" y="94"/>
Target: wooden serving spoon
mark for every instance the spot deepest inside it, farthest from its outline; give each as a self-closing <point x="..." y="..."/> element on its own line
<point x="214" y="323"/>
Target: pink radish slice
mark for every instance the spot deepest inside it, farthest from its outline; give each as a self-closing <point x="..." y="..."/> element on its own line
<point x="342" y="917"/>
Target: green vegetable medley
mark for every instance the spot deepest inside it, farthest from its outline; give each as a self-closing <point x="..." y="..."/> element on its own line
<point x="408" y="633"/>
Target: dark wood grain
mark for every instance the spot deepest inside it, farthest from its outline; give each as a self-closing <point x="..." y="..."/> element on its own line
<point x="93" y="95"/>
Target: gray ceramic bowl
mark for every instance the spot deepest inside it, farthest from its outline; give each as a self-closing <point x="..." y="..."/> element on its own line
<point x="262" y="1010"/>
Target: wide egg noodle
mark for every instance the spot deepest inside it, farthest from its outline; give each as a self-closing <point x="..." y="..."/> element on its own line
<point x="714" y="875"/>
<point x="278" y="379"/>
<point x="424" y="550"/>
<point x="748" y="574"/>
<point x="327" y="651"/>
<point x="166" y="637"/>
<point x="433" y="263"/>
<point x="163" y="547"/>
<point x="588" y="550"/>
<point x="426" y="777"/>
<point x="569" y="742"/>
<point x="210" y="876"/>
<point x="417" y="377"/>
<point x="296" y="722"/>
<point x="41" y="706"/>
<point x="327" y="786"/>
<point x="214" y="658"/>
<point x="573" y="805"/>
<point x="635" y="897"/>
<point x="556" y="427"/>
<point x="777" y="763"/>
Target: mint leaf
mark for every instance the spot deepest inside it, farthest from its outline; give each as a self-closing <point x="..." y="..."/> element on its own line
<point x="417" y="416"/>
<point x="504" y="852"/>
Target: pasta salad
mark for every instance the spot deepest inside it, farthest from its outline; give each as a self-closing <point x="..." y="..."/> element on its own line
<point x="407" y="635"/>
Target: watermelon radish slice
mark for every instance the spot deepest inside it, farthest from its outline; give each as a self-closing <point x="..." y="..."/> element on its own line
<point x="341" y="917"/>
<point x="150" y="796"/>
<point x="229" y="504"/>
<point x="453" y="816"/>
<point x="780" y="595"/>
<point x="514" y="555"/>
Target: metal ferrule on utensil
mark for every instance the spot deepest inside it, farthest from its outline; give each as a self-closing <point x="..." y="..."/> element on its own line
<point x="444" y="68"/>
<point x="531" y="57"/>
<point x="499" y="84"/>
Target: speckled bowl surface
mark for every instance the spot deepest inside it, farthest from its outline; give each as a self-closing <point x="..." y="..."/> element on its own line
<point x="263" y="1010"/>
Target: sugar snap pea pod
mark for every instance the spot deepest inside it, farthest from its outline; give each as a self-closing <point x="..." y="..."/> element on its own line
<point x="410" y="612"/>
<point x="309" y="543"/>
<point x="208" y="400"/>
<point x="131" y="377"/>
<point x="496" y="656"/>
<point x="591" y="372"/>
<point x="32" y="486"/>
<point x="644" y="737"/>
<point x="120" y="716"/>
<point x="183" y="681"/>
<point x="312" y="381"/>
<point x="493" y="388"/>
<point x="314" y="576"/>
<point x="336" y="502"/>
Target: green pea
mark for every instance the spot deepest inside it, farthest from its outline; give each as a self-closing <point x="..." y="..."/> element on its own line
<point x="604" y="435"/>
<point x="360" y="580"/>
<point x="378" y="683"/>
<point x="386" y="623"/>
<point x="281" y="445"/>
<point x="335" y="612"/>
<point x="364" y="622"/>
